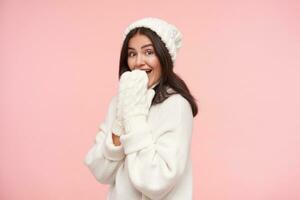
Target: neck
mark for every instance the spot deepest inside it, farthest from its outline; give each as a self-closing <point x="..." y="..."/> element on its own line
<point x="155" y="84"/>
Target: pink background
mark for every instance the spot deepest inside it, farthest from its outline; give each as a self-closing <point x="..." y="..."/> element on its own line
<point x="59" y="65"/>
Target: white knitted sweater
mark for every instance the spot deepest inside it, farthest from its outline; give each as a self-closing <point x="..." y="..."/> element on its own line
<point x="150" y="164"/>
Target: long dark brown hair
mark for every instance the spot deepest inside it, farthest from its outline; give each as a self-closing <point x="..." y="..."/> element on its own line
<point x="169" y="79"/>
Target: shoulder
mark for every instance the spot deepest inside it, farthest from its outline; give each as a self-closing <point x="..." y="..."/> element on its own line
<point x="173" y="113"/>
<point x="176" y="100"/>
<point x="176" y="104"/>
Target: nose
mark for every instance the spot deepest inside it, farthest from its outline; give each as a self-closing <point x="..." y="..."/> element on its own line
<point x="139" y="61"/>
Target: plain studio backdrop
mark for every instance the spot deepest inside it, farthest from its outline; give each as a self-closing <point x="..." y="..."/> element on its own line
<point x="59" y="66"/>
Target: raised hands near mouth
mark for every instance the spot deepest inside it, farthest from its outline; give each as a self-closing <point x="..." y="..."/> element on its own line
<point x="133" y="101"/>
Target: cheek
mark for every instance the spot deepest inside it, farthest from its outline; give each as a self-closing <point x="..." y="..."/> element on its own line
<point x="158" y="70"/>
<point x="129" y="65"/>
<point x="156" y="66"/>
<point x="156" y="75"/>
<point x="128" y="61"/>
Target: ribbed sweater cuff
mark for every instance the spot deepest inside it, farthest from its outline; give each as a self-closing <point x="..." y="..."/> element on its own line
<point x="112" y="152"/>
<point x="137" y="138"/>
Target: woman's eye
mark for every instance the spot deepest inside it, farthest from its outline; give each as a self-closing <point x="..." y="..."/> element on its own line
<point x="149" y="52"/>
<point x="130" y="54"/>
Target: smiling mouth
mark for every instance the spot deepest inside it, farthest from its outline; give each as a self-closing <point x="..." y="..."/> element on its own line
<point x="148" y="71"/>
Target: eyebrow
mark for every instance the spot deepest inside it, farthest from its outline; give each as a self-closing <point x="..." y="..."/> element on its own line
<point x="146" y="45"/>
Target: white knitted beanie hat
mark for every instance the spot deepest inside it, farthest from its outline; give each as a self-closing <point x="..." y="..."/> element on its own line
<point x="168" y="33"/>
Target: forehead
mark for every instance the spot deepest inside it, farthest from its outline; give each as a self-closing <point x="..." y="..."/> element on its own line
<point x="138" y="41"/>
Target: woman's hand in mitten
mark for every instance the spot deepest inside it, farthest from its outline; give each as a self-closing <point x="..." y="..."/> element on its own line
<point x="124" y="85"/>
<point x="136" y="99"/>
<point x="117" y="126"/>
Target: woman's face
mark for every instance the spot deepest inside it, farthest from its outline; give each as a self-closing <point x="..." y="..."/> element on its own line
<point x="141" y="55"/>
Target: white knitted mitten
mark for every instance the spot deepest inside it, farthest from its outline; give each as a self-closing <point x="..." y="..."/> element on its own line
<point x="135" y="99"/>
<point x="117" y="126"/>
<point x="132" y="89"/>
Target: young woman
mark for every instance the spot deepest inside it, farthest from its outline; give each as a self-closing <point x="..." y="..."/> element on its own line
<point x="142" y="147"/>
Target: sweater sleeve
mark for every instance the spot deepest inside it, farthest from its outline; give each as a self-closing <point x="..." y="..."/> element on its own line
<point x="104" y="158"/>
<point x="156" y="165"/>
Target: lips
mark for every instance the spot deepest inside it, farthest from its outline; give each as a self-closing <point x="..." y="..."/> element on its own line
<point x="148" y="71"/>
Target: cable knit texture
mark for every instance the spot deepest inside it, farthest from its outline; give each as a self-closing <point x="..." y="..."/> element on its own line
<point x="118" y="127"/>
<point x="153" y="163"/>
<point x="134" y="100"/>
<point x="135" y="82"/>
<point x="133" y="93"/>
